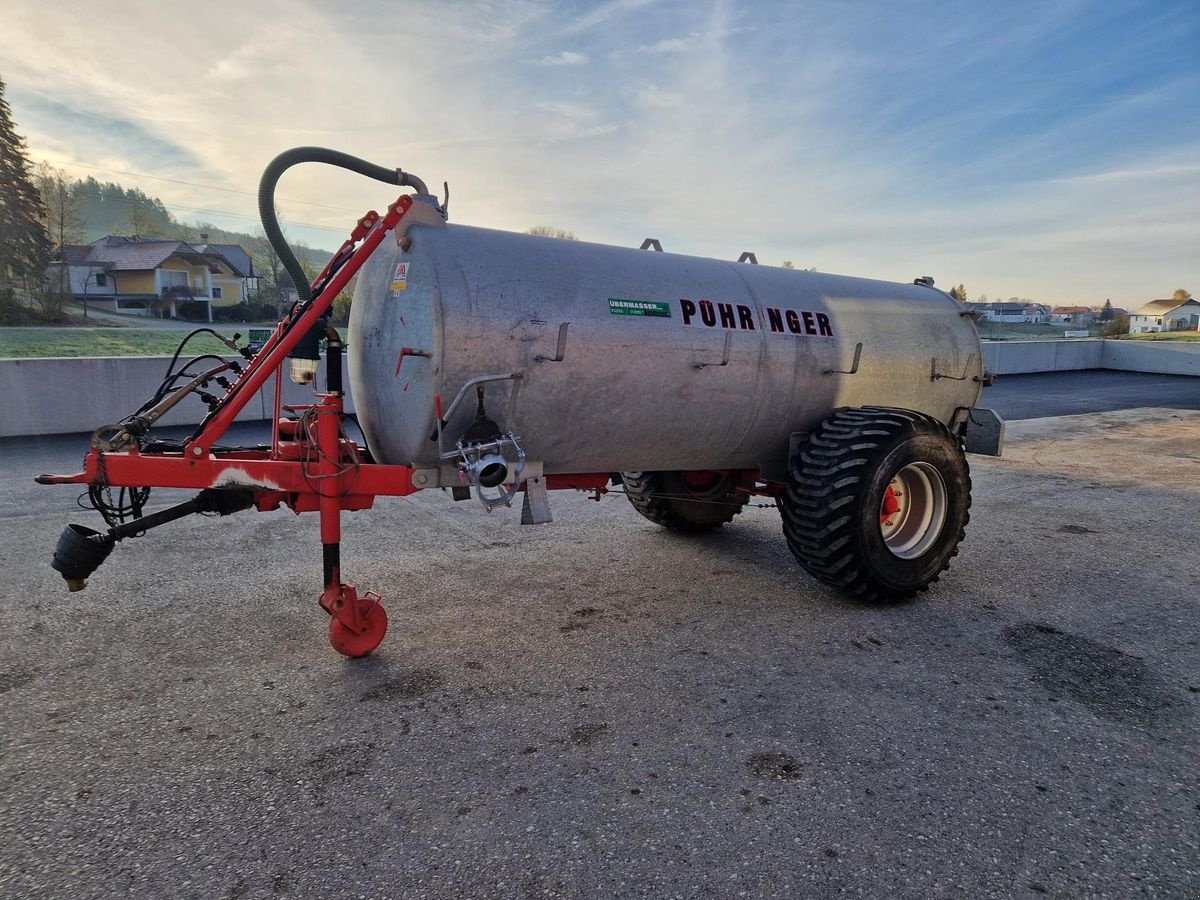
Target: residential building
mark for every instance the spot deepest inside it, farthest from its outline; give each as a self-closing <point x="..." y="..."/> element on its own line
<point x="1012" y="311"/>
<point x="1004" y="312"/>
<point x="1080" y="316"/>
<point x="153" y="277"/>
<point x="1166" y="315"/>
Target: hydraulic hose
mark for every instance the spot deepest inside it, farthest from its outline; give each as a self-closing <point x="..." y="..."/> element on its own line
<point x="295" y="156"/>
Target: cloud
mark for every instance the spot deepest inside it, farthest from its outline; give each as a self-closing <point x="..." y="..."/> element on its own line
<point x="565" y="58"/>
<point x="1149" y="170"/>
<point x="104" y="134"/>
<point x="604" y="13"/>
<point x="1049" y="161"/>
<point x="653" y="97"/>
<point x="670" y="45"/>
<point x="568" y="110"/>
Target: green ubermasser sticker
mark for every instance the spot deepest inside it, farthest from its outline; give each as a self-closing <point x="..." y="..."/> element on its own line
<point x="639" y="308"/>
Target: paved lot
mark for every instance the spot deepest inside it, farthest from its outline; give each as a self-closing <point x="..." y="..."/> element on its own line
<point x="598" y="708"/>
<point x="1098" y="390"/>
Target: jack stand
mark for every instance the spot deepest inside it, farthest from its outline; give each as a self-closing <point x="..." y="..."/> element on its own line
<point x="357" y="624"/>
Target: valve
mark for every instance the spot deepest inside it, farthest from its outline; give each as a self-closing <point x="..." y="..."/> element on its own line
<point x="482" y="464"/>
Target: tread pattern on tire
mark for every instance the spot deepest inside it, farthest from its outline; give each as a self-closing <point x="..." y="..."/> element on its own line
<point x="827" y="475"/>
<point x="662" y="498"/>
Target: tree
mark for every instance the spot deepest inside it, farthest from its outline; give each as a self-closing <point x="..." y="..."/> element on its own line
<point x="141" y="223"/>
<point x="959" y="293"/>
<point x="304" y="256"/>
<point x="1181" y="294"/>
<point x="1115" y="328"/>
<point x="53" y="291"/>
<point x="787" y="264"/>
<point x="63" y="219"/>
<point x="547" y="231"/>
<point x="340" y="311"/>
<point x="1106" y="314"/>
<point x="24" y="244"/>
<point x="268" y="266"/>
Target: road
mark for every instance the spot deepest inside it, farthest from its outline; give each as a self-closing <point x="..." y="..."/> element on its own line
<point x="599" y="708"/>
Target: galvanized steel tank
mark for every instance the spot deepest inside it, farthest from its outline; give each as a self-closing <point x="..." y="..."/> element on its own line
<point x="641" y="384"/>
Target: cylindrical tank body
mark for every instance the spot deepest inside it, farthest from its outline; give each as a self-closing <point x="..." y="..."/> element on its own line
<point x="670" y="361"/>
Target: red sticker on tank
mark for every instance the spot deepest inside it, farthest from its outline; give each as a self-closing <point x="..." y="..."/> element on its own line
<point x="400" y="278"/>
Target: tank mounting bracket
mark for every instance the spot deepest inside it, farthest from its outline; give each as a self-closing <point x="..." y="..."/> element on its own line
<point x="561" y="350"/>
<point x="853" y="370"/>
<point x="724" y="355"/>
<point x="935" y="375"/>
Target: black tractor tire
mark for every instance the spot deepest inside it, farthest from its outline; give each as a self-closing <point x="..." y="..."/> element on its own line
<point x="842" y="475"/>
<point x="666" y="499"/>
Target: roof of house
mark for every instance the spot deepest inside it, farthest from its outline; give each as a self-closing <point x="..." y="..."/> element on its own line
<point x="125" y="254"/>
<point x="235" y="255"/>
<point x="75" y="254"/>
<point x="1004" y="306"/>
<point x="1162" y="307"/>
<point x="1069" y="310"/>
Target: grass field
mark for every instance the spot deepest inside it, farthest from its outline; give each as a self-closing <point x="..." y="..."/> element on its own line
<point x="1017" y="331"/>
<point x="22" y="343"/>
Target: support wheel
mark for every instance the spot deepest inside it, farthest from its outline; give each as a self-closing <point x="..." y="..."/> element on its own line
<point x="685" y="501"/>
<point x="367" y="634"/>
<point x="877" y="502"/>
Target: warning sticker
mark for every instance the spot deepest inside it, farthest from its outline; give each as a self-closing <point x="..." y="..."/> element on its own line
<point x="400" y="278"/>
<point x="655" y="308"/>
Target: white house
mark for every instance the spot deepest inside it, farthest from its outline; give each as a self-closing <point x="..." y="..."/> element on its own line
<point x="1166" y="315"/>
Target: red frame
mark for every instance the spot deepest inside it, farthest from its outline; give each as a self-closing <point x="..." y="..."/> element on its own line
<point x="320" y="470"/>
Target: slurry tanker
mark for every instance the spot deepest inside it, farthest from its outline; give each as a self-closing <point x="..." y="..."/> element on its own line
<point x="503" y="366"/>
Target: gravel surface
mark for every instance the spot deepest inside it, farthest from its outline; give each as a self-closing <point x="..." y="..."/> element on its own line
<point x="600" y="708"/>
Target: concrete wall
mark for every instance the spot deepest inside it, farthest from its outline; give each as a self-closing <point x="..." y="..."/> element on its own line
<point x="1160" y="357"/>
<point x="1018" y="357"/>
<point x="58" y="396"/>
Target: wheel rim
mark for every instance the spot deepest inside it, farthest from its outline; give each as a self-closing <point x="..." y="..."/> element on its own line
<point x="913" y="511"/>
<point x="373" y="627"/>
<point x="706" y="484"/>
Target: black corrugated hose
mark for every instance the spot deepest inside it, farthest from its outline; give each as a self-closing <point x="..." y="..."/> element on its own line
<point x="266" y="198"/>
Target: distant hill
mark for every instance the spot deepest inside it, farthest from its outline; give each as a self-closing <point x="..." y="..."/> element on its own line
<point x="108" y="208"/>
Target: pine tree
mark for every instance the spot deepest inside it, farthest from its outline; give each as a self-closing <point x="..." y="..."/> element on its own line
<point x="24" y="244"/>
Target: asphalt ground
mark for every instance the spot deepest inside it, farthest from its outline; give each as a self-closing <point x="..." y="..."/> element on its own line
<point x="600" y="708"/>
<point x="1040" y="395"/>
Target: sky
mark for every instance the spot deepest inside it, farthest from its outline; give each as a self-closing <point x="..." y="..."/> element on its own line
<point x="1045" y="150"/>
